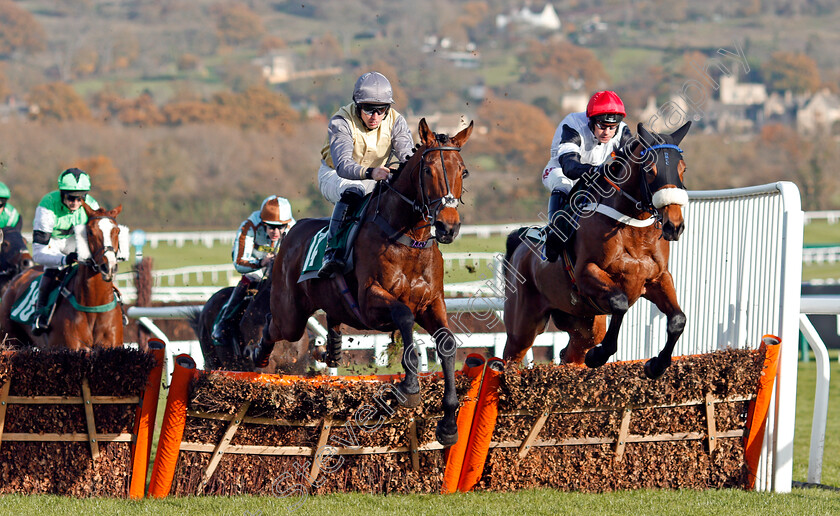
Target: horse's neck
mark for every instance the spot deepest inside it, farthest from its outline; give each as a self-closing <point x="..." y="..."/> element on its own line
<point x="399" y="213"/>
<point x="89" y="288"/>
<point x="623" y="202"/>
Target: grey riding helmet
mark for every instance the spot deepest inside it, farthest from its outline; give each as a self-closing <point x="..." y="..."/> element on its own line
<point x="373" y="88"/>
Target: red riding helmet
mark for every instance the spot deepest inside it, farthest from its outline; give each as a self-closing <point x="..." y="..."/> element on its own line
<point x="605" y="107"/>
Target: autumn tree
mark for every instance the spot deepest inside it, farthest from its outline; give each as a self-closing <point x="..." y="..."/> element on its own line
<point x="564" y="64"/>
<point x="57" y="101"/>
<point x="237" y="24"/>
<point x="791" y="71"/>
<point x="518" y="134"/>
<point x="19" y="30"/>
<point x="256" y="107"/>
<point x="105" y="177"/>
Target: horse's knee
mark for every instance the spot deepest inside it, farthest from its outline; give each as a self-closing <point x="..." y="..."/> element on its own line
<point x="676" y="323"/>
<point x="619" y="303"/>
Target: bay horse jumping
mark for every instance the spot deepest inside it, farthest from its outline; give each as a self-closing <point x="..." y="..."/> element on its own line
<point x="285" y="358"/>
<point x="398" y="274"/>
<point x="90" y="314"/>
<point x="14" y="256"/>
<point x="620" y="253"/>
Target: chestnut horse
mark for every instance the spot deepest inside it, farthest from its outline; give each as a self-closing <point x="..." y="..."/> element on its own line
<point x="285" y="359"/>
<point x="14" y="256"/>
<point x="620" y="253"/>
<point x="398" y="274"/>
<point x="90" y="312"/>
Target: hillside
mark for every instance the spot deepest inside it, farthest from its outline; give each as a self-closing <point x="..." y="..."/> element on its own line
<point x="134" y="63"/>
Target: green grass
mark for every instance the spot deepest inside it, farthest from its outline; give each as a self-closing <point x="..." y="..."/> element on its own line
<point x="821" y="232"/>
<point x="805" y="389"/>
<point x="539" y="501"/>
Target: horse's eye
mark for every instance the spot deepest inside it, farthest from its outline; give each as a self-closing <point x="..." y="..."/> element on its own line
<point x="465" y="173"/>
<point x="427" y="170"/>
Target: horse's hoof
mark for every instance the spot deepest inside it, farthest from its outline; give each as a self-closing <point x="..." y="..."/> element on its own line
<point x="596" y="357"/>
<point x="410" y="400"/>
<point x="653" y="372"/>
<point x="446" y="440"/>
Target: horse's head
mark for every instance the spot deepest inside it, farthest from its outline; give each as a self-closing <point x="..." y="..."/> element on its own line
<point x="662" y="169"/>
<point x="102" y="242"/>
<point x="14" y="254"/>
<point x="439" y="180"/>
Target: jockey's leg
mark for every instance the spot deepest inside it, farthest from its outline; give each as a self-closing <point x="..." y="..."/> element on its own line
<point x="49" y="281"/>
<point x="224" y="331"/>
<point x="334" y="256"/>
<point x="555" y="240"/>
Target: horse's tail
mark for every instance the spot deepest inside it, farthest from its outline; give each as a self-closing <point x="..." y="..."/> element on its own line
<point x="513" y="241"/>
<point x="193" y="319"/>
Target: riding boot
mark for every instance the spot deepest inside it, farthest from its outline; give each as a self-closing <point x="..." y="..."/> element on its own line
<point x="334" y="255"/>
<point x="48" y="283"/>
<point x="554" y="239"/>
<point x="224" y="331"/>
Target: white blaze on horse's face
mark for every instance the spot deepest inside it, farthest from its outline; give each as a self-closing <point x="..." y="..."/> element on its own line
<point x="110" y="243"/>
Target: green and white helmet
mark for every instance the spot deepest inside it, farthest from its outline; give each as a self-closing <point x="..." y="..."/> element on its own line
<point x="5" y="193"/>
<point x="74" y="180"/>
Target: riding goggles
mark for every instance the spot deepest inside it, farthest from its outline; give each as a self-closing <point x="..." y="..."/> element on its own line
<point x="602" y="126"/>
<point x="373" y="109"/>
<point x="73" y="198"/>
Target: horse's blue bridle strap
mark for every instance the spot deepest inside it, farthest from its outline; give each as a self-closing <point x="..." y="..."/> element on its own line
<point x="662" y="146"/>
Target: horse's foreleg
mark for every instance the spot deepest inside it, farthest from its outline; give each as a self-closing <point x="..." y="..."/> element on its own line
<point x="598" y="356"/>
<point x="333" y="342"/>
<point x="523" y="322"/>
<point x="664" y="296"/>
<point x="434" y="322"/>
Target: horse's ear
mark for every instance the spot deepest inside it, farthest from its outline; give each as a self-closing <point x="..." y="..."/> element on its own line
<point x="461" y="138"/>
<point x="116" y="211"/>
<point x="90" y="211"/>
<point x="427" y="136"/>
<point x="679" y="134"/>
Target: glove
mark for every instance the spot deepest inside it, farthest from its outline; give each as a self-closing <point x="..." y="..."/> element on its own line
<point x="71" y="258"/>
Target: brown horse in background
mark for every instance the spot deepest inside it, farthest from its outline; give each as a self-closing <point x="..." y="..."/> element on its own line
<point x="614" y="263"/>
<point x="398" y="274"/>
<point x="90" y="289"/>
<point x="14" y="256"/>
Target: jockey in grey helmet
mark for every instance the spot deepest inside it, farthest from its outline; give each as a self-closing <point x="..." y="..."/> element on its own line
<point x="361" y="137"/>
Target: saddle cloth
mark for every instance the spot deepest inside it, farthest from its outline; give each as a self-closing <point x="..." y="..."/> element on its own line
<point x="23" y="309"/>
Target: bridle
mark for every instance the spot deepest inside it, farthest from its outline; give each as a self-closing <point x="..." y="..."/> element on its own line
<point x="98" y="262"/>
<point x="426" y="207"/>
<point x="646" y="204"/>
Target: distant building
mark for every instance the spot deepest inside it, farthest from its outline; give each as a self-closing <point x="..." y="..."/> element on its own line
<point x="573" y="102"/>
<point x="819" y="113"/>
<point x="546" y="19"/>
<point x="741" y="94"/>
<point x="280" y="68"/>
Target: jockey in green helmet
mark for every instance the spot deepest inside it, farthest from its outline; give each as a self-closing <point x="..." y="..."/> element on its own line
<point x="52" y="246"/>
<point x="9" y="216"/>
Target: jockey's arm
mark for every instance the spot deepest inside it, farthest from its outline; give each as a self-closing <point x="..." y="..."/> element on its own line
<point x="243" y="248"/>
<point x="401" y="141"/>
<point x="46" y="251"/>
<point x="341" y="149"/>
<point x="567" y="150"/>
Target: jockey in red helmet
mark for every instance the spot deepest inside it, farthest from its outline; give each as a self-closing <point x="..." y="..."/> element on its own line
<point x="582" y="142"/>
